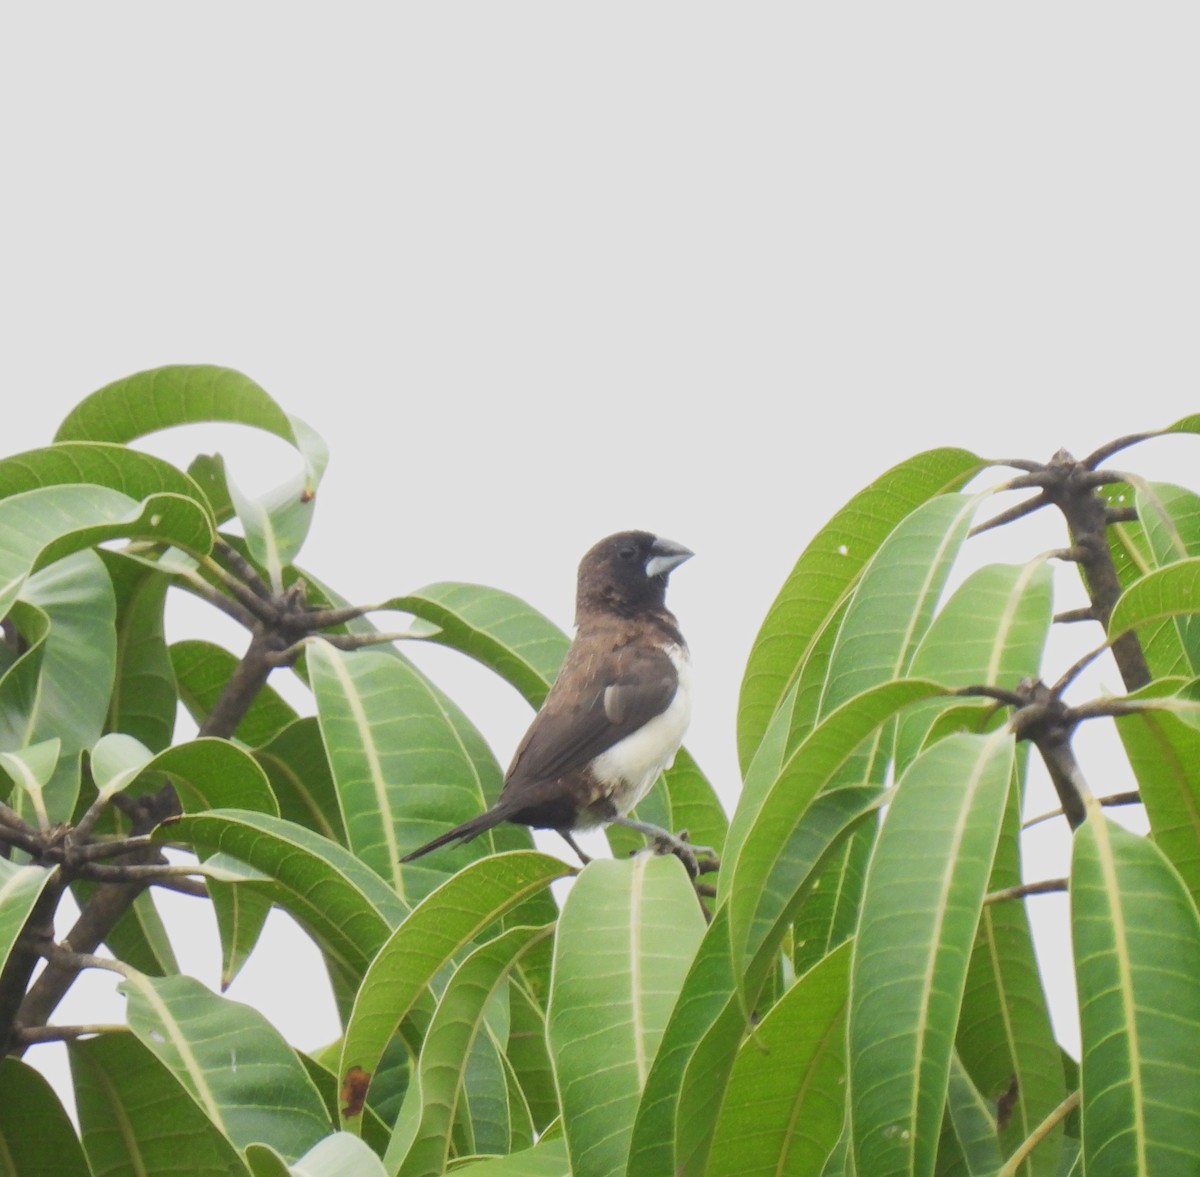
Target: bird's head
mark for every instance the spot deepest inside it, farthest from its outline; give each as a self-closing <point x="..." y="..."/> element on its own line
<point x="627" y="572"/>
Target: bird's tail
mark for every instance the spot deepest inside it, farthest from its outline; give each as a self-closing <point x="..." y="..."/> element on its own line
<point x="462" y="833"/>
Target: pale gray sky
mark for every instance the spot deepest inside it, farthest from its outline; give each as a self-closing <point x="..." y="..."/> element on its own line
<point x="540" y="272"/>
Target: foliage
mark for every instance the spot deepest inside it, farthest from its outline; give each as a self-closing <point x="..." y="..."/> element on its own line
<point x="858" y="993"/>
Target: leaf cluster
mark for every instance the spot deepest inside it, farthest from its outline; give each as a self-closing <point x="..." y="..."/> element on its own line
<point x="858" y="993"/>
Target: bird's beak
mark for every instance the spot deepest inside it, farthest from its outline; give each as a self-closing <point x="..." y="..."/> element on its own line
<point x="665" y="555"/>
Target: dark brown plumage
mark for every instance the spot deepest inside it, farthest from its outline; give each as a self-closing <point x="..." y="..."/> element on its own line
<point x="616" y="714"/>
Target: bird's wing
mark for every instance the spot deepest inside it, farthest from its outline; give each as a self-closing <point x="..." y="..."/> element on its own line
<point x="591" y="707"/>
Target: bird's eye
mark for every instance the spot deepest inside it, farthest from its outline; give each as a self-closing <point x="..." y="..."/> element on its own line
<point x="628" y="552"/>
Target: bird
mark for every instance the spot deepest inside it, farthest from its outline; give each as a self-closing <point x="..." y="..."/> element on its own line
<point x="616" y="714"/>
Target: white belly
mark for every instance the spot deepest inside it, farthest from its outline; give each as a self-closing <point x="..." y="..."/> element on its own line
<point x="631" y="767"/>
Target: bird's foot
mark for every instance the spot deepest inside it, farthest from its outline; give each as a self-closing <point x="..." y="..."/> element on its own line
<point x="697" y="860"/>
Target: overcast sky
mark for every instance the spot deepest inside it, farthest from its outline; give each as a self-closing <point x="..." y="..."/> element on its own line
<point x="542" y="272"/>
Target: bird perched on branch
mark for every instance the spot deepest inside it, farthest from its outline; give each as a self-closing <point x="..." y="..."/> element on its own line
<point x="616" y="714"/>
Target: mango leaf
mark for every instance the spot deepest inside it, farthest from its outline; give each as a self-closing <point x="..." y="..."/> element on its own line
<point x="203" y="669"/>
<point x="448" y="919"/>
<point x="295" y="764"/>
<point x="825" y="575"/>
<point x="1136" y="939"/>
<point x="918" y="921"/>
<point x="1004" y="1031"/>
<point x="437" y="1087"/>
<point x="1170" y="517"/>
<point x="36" y="1136"/>
<point x="973" y="1123"/>
<point x="136" y="1117"/>
<point x="342" y="904"/>
<point x="133" y="473"/>
<point x="30" y="770"/>
<point x="407" y="764"/>
<point x="181" y="394"/>
<point x="276" y="524"/>
<point x="782" y="1111"/>
<point x="894" y="601"/>
<point x="1164" y="754"/>
<point x="178" y="394"/>
<point x="143" y="700"/>
<point x="773" y="857"/>
<point x="992" y="630"/>
<point x="228" y="1057"/>
<point x="706" y="997"/>
<point x="41" y="526"/>
<point x="1167" y="592"/>
<point x="529" y="1057"/>
<point x="1133" y="557"/>
<point x="338" y="1155"/>
<point x="208" y="773"/>
<point x="20" y="887"/>
<point x="69" y="610"/>
<point x="521" y="645"/>
<point x="626" y="937"/>
<point x="547" y="1158"/>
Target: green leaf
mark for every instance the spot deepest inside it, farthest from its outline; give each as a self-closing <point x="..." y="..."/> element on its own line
<point x="917" y="923"/>
<point x="437" y="1089"/>
<point x="894" y="601"/>
<point x="30" y="769"/>
<point x="826" y="574"/>
<point x="973" y="1123"/>
<point x="208" y="773"/>
<point x="522" y="646"/>
<point x="529" y="1057"/>
<point x="338" y="1155"/>
<point x="1136" y="938"/>
<point x="41" y="526"/>
<point x="276" y="524"/>
<point x="295" y="764"/>
<point x="136" y="1118"/>
<point x="407" y="763"/>
<point x="232" y="1061"/>
<point x="992" y="630"/>
<point x="1167" y="592"/>
<point x="143" y="700"/>
<point x="1164" y="754"/>
<point x="547" y="1158"/>
<point x="203" y="670"/>
<point x="133" y="473"/>
<point x="65" y="693"/>
<point x="449" y="918"/>
<point x="1004" y="1028"/>
<point x="178" y="394"/>
<point x="342" y="904"/>
<point x="20" y="887"/>
<point x="774" y="857"/>
<point x="706" y="999"/>
<point x="36" y="1137"/>
<point x="782" y="1111"/>
<point x="626" y="937"/>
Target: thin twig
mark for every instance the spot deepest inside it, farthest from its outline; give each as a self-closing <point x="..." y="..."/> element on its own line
<point x="1113" y="799"/>
<point x="1076" y="668"/>
<point x="1044" y="887"/>
<point x="1011" y="515"/>
<point x="1060" y="1113"/>
<point x="1107" y="450"/>
<point x="30" y="1035"/>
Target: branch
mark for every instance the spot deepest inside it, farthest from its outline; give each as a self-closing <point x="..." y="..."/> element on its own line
<point x="31" y="1035"/>
<point x="1060" y="1113"/>
<point x="1044" y="887"/>
<point x="1113" y="799"/>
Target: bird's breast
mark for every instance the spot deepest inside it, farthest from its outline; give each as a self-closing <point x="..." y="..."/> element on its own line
<point x="628" y="769"/>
